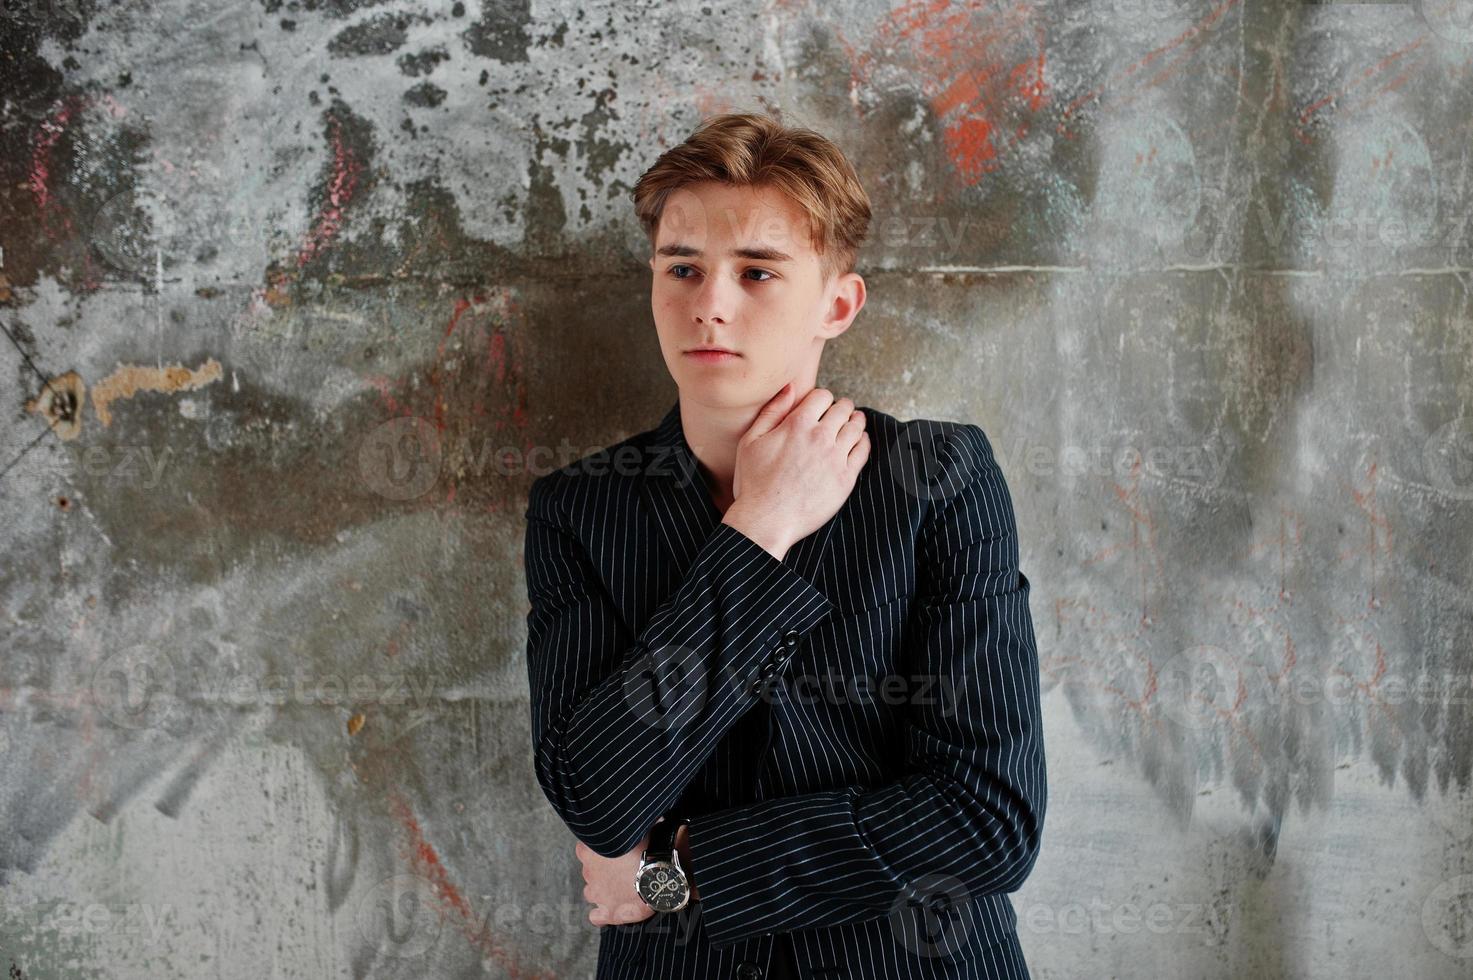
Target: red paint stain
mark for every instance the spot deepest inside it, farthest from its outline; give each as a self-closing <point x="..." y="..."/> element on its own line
<point x="1125" y="670"/>
<point x="51" y="129"/>
<point x="1116" y="640"/>
<point x="1342" y="97"/>
<point x="475" y="393"/>
<point x="1377" y="550"/>
<point x="346" y="169"/>
<point x="1141" y="549"/>
<point x="1132" y="81"/>
<point x="1379" y="536"/>
<point x="497" y="366"/>
<point x="454" y="908"/>
<point x="55" y="221"/>
<point x="969" y="145"/>
<point x="981" y="69"/>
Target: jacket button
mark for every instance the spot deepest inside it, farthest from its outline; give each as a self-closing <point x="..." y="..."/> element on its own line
<point x="749" y="971"/>
<point x="768" y="670"/>
<point x="790" y="639"/>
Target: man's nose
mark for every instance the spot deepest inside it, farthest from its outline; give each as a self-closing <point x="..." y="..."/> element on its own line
<point x="713" y="301"/>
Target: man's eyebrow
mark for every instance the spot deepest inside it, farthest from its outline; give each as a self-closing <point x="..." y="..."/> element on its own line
<point x="760" y="252"/>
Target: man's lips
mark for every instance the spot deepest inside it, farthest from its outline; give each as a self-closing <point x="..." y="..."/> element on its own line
<point x="710" y="350"/>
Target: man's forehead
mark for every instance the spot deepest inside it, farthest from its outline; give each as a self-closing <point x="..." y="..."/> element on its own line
<point x="753" y="250"/>
<point x="772" y="229"/>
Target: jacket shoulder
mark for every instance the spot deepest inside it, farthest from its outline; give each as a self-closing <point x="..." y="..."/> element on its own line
<point x="549" y="491"/>
<point x="898" y="445"/>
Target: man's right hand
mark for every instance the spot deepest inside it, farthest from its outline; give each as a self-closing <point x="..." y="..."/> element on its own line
<point x="795" y="467"/>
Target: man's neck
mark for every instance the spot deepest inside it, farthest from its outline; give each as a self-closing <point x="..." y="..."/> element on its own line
<point x="712" y="435"/>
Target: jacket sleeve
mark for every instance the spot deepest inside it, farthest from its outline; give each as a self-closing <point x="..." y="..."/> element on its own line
<point x="969" y="806"/>
<point x="620" y="723"/>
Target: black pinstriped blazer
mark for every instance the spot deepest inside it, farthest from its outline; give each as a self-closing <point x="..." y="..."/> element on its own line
<point x="856" y="728"/>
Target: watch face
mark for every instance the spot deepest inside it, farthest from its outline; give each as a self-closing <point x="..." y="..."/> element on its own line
<point x="663" y="887"/>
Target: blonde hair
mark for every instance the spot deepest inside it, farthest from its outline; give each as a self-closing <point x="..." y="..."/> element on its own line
<point x="746" y="149"/>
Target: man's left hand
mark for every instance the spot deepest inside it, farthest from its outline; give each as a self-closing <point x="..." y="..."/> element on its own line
<point x="610" y="885"/>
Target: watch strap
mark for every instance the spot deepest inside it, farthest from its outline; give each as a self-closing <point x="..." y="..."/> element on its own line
<point x="662" y="834"/>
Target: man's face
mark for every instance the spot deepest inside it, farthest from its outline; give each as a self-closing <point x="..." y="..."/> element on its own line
<point x="734" y="267"/>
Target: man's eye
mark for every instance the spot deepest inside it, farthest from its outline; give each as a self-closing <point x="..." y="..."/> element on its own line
<point x="675" y="272"/>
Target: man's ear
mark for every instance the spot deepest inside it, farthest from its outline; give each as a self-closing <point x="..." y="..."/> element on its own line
<point x="849" y="297"/>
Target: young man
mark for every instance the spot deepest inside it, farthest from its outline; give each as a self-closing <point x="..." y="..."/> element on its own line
<point x="783" y="674"/>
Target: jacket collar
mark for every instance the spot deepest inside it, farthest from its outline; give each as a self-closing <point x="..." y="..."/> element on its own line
<point x="675" y="496"/>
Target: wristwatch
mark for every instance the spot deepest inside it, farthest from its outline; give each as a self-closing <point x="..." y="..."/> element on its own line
<point x="660" y="880"/>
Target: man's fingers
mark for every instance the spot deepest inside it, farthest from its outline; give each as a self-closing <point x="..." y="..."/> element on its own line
<point x="770" y="414"/>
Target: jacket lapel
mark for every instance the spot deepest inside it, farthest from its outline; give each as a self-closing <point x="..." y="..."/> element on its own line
<point x="675" y="496"/>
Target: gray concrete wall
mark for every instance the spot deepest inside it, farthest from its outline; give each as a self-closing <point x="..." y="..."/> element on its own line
<point x="1200" y="269"/>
